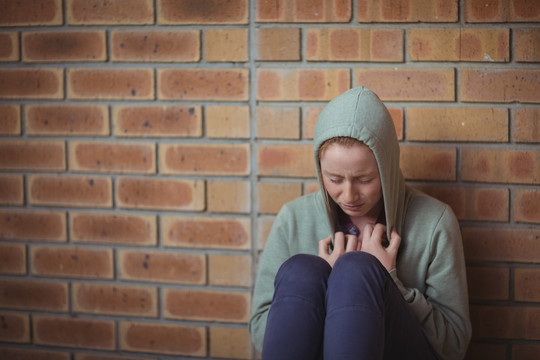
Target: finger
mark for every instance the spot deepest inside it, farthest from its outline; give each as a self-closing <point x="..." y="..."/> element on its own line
<point x="359" y="244"/>
<point x="352" y="242"/>
<point x="378" y="233"/>
<point x="395" y="241"/>
<point x="339" y="242"/>
<point x="366" y="234"/>
<point x="324" y="244"/>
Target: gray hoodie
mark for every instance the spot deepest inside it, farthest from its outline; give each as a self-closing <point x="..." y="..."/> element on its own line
<point x="430" y="269"/>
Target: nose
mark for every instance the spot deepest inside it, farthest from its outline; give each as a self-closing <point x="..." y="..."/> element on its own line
<point x="350" y="194"/>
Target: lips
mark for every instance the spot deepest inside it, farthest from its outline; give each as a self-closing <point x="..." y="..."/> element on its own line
<point x="352" y="207"/>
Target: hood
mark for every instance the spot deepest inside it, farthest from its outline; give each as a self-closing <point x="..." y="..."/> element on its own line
<point x="360" y="114"/>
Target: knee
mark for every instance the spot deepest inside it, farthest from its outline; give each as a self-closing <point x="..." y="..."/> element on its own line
<point x="302" y="275"/>
<point x="358" y="265"/>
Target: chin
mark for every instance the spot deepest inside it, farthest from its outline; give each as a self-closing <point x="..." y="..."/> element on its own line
<point x="352" y="213"/>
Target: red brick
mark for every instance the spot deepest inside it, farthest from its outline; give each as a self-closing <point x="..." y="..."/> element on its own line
<point x="80" y="191"/>
<point x="409" y="84"/>
<point x="286" y="160"/>
<point x="335" y="44"/>
<point x="33" y="225"/>
<point x="310" y="187"/>
<point x="118" y="300"/>
<point x="407" y="11"/>
<point x="118" y="12"/>
<point x="30" y="83"/>
<point x="526" y="45"/>
<point x="301" y="84"/>
<point x="473" y="204"/>
<point x="526" y="125"/>
<point x="208" y="12"/>
<point x="9" y="46"/>
<point x="204" y="305"/>
<point x="229" y="270"/>
<point x="154" y="46"/>
<point x="281" y="122"/>
<point x="114" y="228"/>
<point x="227" y="122"/>
<point x="126" y="157"/>
<point x="163" y="267"/>
<point x="278" y="44"/>
<point x="488" y="283"/>
<point x="501" y="11"/>
<point x="485" y="10"/>
<point x="228" y="196"/>
<point x="532" y="330"/>
<point x="500" y="85"/>
<point x="157" y="121"/>
<point x="272" y="196"/>
<point x="204" y="159"/>
<point x="108" y="357"/>
<point x="33" y="295"/>
<point x="160" y="194"/>
<point x="26" y="354"/>
<point x="68" y="46"/>
<point x="14" y="328"/>
<point x="74" y="262"/>
<point x="500" y="165"/>
<point x="505" y="322"/>
<point x="527" y="205"/>
<point x="303" y="11"/>
<point x="67" y="120"/>
<point x="32" y="155"/>
<point x="479" y="351"/>
<point x="111" y="84"/>
<point x="230" y="343"/>
<point x="12" y="259"/>
<point x="226" y="45"/>
<point x="11" y="189"/>
<point x="31" y="12"/>
<point x="203" y="232"/>
<point x="459" y="45"/>
<point x="501" y="244"/>
<point x="10" y="120"/>
<point x="527" y="285"/>
<point x="525" y="351"/>
<point x="311" y="113"/>
<point x="457" y="124"/>
<point x="73" y="332"/>
<point x="428" y="163"/>
<point x="163" y="338"/>
<point x="203" y="84"/>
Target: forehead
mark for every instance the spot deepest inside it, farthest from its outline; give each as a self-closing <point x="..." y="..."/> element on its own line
<point x="356" y="158"/>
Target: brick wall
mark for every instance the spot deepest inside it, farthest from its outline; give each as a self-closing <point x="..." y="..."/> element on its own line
<point x="146" y="146"/>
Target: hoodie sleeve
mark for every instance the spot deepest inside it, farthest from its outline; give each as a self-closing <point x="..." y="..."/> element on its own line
<point x="442" y="309"/>
<point x="276" y="252"/>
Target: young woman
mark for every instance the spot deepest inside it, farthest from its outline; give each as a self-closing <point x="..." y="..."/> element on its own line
<point x="367" y="267"/>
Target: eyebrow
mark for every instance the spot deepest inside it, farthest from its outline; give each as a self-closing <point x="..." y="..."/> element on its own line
<point x="366" y="174"/>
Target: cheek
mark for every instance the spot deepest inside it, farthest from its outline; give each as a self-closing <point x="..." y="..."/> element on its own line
<point x="331" y="188"/>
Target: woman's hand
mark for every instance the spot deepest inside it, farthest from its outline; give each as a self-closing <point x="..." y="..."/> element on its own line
<point x="372" y="238"/>
<point x="342" y="244"/>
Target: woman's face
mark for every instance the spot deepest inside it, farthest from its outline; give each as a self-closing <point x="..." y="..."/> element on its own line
<point x="351" y="178"/>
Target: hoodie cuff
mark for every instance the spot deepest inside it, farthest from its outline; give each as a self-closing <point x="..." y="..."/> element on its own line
<point x="408" y="294"/>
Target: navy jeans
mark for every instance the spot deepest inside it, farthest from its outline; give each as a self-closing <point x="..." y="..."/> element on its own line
<point x="353" y="311"/>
